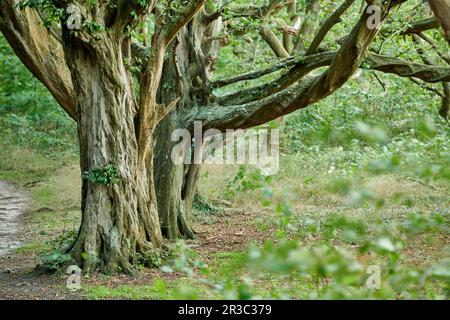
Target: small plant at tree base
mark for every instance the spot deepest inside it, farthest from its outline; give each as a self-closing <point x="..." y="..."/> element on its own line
<point x="152" y="258"/>
<point x="57" y="257"/>
<point x="107" y="175"/>
<point x="184" y="259"/>
<point x="202" y="204"/>
<point x="54" y="261"/>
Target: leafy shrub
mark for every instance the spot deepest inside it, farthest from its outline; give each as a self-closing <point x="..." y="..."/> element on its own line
<point x="54" y="261"/>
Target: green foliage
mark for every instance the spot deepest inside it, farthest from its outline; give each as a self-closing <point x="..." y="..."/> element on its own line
<point x="54" y="261"/>
<point x="133" y="65"/>
<point x="244" y="181"/>
<point x="328" y="256"/>
<point x="92" y="3"/>
<point x="185" y="260"/>
<point x="417" y="223"/>
<point x="355" y="131"/>
<point x="202" y="204"/>
<point x="152" y="258"/>
<point x="171" y="9"/>
<point x="52" y="13"/>
<point x="107" y="175"/>
<point x="92" y="27"/>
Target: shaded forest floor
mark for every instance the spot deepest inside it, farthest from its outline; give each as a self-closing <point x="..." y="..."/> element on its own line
<point x="230" y="234"/>
<point x="223" y="237"/>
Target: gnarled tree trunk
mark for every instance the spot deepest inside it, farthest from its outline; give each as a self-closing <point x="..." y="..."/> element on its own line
<point x="187" y="75"/>
<point x="119" y="216"/>
<point x="174" y="192"/>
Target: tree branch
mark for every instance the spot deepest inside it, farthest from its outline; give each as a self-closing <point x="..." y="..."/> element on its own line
<point x="259" y="12"/>
<point x="309" y="90"/>
<point x="435" y="47"/>
<point x="419" y="26"/>
<point x="441" y="9"/>
<point x="289" y="62"/>
<point x="428" y="87"/>
<point x="150" y="112"/>
<point x="402" y="68"/>
<point x="275" y="44"/>
<point x="328" y="24"/>
<point x="300" y="66"/>
<point x="288" y="38"/>
<point x="445" y="107"/>
<point x="307" y="26"/>
<point x="39" y="51"/>
<point x="181" y="19"/>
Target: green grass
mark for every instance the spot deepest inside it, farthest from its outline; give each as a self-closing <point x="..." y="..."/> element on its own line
<point x="157" y="290"/>
<point x="34" y="247"/>
<point x="422" y="223"/>
<point x="228" y="265"/>
<point x="53" y="182"/>
<point x="223" y="266"/>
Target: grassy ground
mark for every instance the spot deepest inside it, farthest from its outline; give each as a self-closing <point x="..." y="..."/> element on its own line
<point x="415" y="210"/>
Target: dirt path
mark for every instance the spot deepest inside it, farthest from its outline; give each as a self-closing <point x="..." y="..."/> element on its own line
<point x="12" y="205"/>
<point x="17" y="277"/>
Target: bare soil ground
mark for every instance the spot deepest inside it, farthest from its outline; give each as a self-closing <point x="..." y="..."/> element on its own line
<point x="232" y="230"/>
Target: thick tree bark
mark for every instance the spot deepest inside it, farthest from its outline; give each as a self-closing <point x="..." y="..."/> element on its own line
<point x="170" y="177"/>
<point x="445" y="107"/>
<point x="175" y="190"/>
<point x="120" y="223"/>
